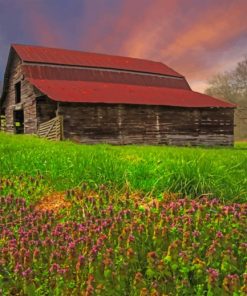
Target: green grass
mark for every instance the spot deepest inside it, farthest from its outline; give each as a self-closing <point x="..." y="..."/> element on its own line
<point x="104" y="241"/>
<point x="219" y="172"/>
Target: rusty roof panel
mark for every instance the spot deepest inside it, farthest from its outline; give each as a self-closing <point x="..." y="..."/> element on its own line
<point x="99" y="92"/>
<point x="39" y="54"/>
<point x="97" y="75"/>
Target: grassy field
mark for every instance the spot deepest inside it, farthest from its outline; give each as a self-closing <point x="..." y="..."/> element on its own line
<point x="121" y="221"/>
<point x="219" y="172"/>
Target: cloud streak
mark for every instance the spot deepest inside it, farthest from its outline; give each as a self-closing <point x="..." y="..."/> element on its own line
<point x="195" y="48"/>
<point x="196" y="38"/>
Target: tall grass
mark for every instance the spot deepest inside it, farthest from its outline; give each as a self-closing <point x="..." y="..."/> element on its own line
<point x="219" y="172"/>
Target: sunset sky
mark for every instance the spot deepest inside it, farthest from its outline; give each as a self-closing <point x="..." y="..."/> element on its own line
<point x="196" y="38"/>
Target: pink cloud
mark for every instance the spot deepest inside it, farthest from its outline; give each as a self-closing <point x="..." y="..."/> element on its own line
<point x="195" y="47"/>
<point x="198" y="39"/>
<point x="41" y="27"/>
<point x="145" y="35"/>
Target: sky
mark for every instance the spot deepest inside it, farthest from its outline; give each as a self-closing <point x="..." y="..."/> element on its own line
<point x="197" y="38"/>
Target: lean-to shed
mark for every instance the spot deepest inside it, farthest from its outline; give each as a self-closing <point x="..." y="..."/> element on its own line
<point x="102" y="98"/>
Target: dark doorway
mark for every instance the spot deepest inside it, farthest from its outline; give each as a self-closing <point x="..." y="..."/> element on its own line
<point x="19" y="121"/>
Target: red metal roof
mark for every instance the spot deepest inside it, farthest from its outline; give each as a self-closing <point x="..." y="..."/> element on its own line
<point x="99" y="92"/>
<point x="39" y="54"/>
<point x="99" y="75"/>
<point x="74" y="76"/>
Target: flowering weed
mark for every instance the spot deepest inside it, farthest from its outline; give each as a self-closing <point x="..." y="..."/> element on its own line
<point x="123" y="245"/>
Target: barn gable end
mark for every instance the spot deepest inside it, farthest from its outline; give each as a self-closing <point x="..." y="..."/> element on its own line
<point x="144" y="102"/>
<point x="28" y="95"/>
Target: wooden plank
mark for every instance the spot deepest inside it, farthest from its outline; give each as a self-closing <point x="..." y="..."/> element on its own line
<point x="51" y="129"/>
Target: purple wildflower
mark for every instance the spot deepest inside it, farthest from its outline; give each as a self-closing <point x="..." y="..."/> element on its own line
<point x="26" y="273"/>
<point x="219" y="234"/>
<point x="55" y="267"/>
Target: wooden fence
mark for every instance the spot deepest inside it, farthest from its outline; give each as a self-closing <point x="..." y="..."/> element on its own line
<point x="2" y="123"/>
<point x="52" y="129"/>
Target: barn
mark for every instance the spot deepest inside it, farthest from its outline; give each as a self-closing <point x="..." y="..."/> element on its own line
<point x="97" y="98"/>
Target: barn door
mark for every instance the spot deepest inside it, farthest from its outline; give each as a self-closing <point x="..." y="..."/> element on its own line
<point x="18" y="119"/>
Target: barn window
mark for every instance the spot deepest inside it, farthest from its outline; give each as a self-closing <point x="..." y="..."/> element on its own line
<point x="18" y="92"/>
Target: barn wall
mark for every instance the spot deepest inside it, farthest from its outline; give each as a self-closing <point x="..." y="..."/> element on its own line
<point x="28" y="99"/>
<point x="136" y="124"/>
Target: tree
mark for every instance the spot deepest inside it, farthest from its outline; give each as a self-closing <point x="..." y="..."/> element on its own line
<point x="232" y="86"/>
<point x="240" y="80"/>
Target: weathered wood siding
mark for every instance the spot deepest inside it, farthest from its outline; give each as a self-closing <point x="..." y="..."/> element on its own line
<point x="28" y="99"/>
<point x="137" y="124"/>
<point x="46" y="109"/>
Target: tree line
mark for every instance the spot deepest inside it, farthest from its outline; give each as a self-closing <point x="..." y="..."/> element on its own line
<point x="232" y="86"/>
